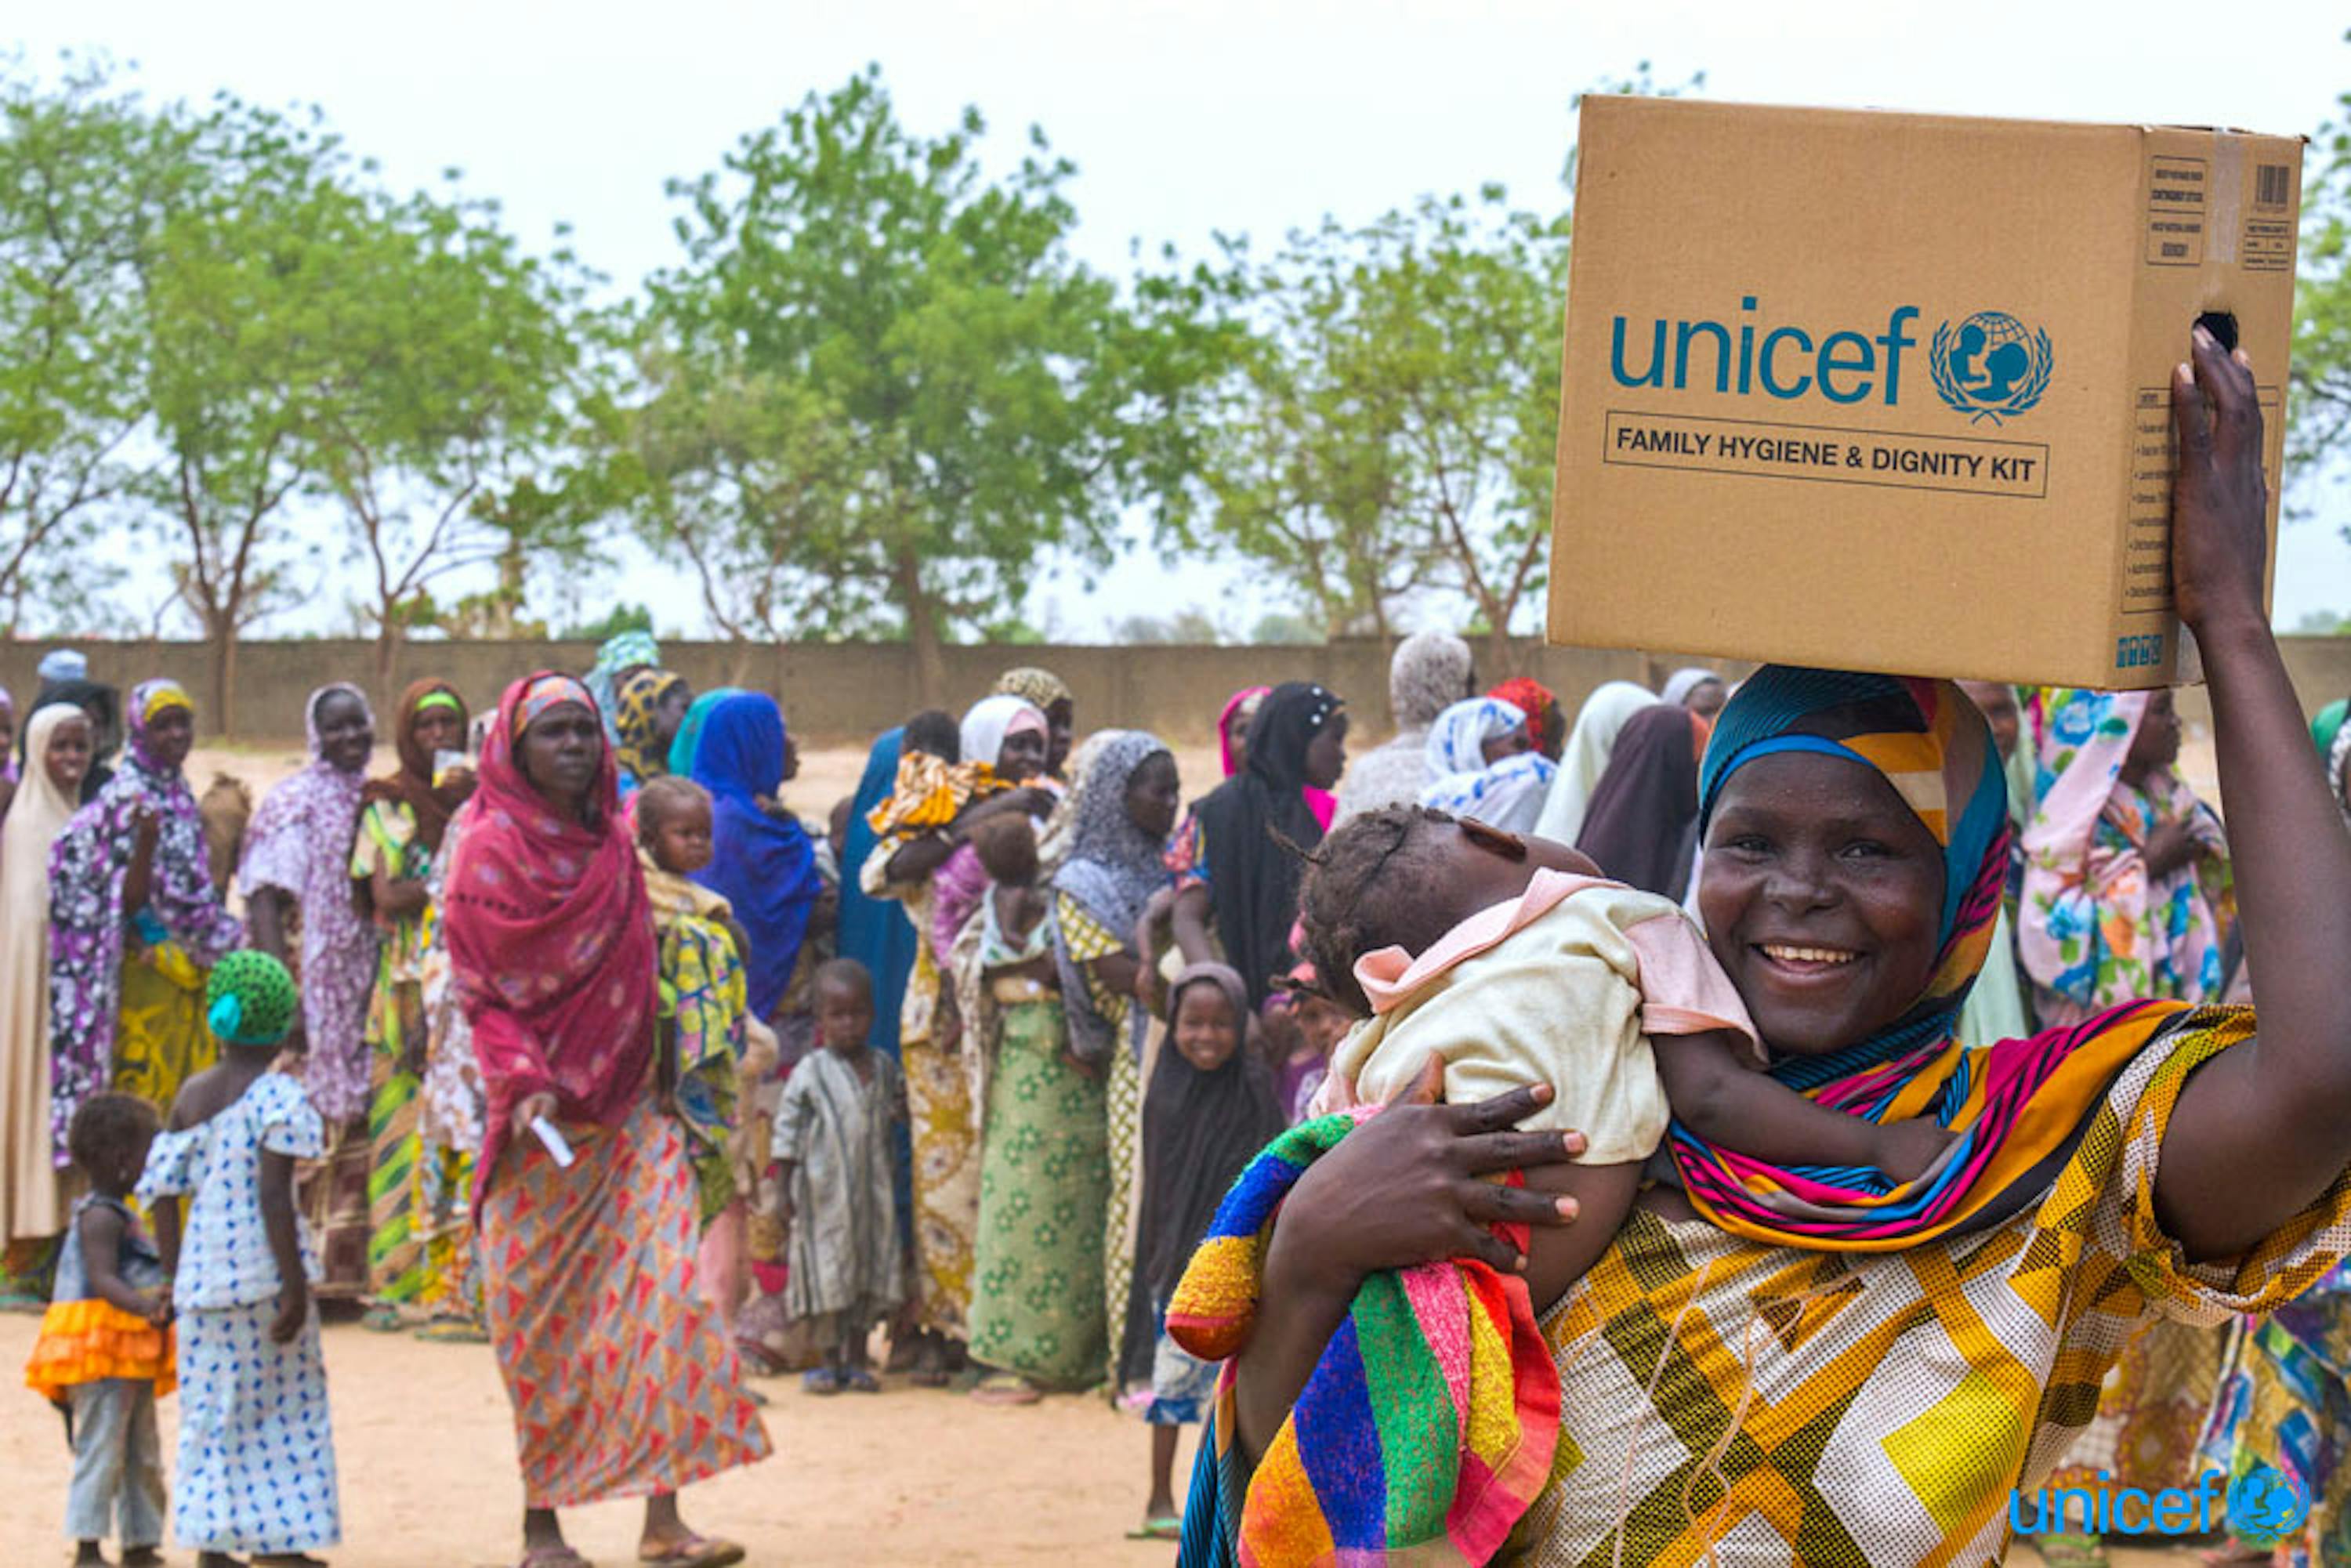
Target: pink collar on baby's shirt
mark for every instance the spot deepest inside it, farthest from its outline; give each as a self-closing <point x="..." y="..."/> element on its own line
<point x="1391" y="976"/>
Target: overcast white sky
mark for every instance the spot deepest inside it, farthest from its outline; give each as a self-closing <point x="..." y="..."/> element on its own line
<point x="1250" y="116"/>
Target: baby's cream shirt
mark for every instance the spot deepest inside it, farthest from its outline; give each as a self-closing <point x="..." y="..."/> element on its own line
<point x="1563" y="986"/>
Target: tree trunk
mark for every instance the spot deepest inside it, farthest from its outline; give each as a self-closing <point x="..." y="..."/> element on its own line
<point x="220" y="632"/>
<point x="1499" y="665"/>
<point x="922" y="612"/>
<point x="388" y="640"/>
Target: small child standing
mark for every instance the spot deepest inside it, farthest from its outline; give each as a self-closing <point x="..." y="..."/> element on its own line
<point x="1209" y="1108"/>
<point x="257" y="1452"/>
<point x="105" y="1353"/>
<point x="832" y="1141"/>
<point x="716" y="1051"/>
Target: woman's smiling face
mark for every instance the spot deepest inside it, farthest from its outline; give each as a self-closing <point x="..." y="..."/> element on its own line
<point x="1821" y="892"/>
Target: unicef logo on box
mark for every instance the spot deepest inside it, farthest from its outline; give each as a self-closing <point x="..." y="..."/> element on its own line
<point x="1990" y="366"/>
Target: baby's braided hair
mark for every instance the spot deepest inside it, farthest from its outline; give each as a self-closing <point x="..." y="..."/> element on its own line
<point x="1367" y="888"/>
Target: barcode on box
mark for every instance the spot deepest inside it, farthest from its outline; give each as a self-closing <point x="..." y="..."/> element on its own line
<point x="2272" y="185"/>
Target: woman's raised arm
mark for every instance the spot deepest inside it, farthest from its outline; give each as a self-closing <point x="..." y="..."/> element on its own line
<point x="2262" y="1130"/>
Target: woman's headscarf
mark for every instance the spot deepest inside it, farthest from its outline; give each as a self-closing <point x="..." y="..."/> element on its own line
<point x="1589" y="744"/>
<point x="2093" y="927"/>
<point x="1113" y="868"/>
<point x="103" y="704"/>
<point x="994" y="720"/>
<point x="1508" y="794"/>
<point x="551" y="938"/>
<point x="38" y="814"/>
<point x="412" y="784"/>
<point x="1059" y="833"/>
<point x="1233" y="705"/>
<point x="763" y="863"/>
<point x="689" y="732"/>
<point x="87" y="864"/>
<point x="875" y="931"/>
<point x="1200" y="1129"/>
<point x="1535" y="700"/>
<point x="1430" y="670"/>
<point x="1042" y="687"/>
<point x="1429" y="673"/>
<point x="638" y="752"/>
<point x="1681" y="682"/>
<point x="2015" y="1105"/>
<point x="1642" y="827"/>
<point x="2328" y="725"/>
<point x="624" y="651"/>
<point x="1252" y="879"/>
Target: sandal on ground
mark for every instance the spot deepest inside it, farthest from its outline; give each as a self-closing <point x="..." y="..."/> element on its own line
<point x="1006" y="1388"/>
<point x="860" y="1379"/>
<point x="453" y="1331"/>
<point x="553" y="1557"/>
<point x="820" y="1380"/>
<point x="763" y="1362"/>
<point x="694" y="1552"/>
<point x="1159" y="1527"/>
<point x="382" y="1318"/>
<point x="2070" y="1550"/>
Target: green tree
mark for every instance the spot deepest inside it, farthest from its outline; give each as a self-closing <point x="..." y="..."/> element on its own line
<point x="238" y="308"/>
<point x="2322" y="328"/>
<point x="84" y="170"/>
<point x="1397" y="428"/>
<point x="881" y="388"/>
<point x="447" y="387"/>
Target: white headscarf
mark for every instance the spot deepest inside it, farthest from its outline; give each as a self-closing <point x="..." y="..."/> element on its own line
<point x="1508" y="794"/>
<point x="1683" y="682"/>
<point x="994" y="719"/>
<point x="32" y="1206"/>
<point x="1589" y="746"/>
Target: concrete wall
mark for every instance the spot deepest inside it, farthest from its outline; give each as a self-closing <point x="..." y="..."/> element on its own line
<point x="835" y="693"/>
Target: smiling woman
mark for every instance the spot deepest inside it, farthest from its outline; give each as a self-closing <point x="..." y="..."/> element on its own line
<point x="1817" y="1362"/>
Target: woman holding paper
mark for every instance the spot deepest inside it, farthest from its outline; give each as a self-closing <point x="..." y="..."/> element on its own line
<point x="1730" y="1394"/>
<point x="623" y="1383"/>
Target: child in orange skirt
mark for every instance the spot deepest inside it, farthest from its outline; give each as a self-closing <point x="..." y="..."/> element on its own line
<point x="105" y="1352"/>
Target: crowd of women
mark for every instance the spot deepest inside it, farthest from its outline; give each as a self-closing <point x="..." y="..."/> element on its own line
<point x="627" y="1070"/>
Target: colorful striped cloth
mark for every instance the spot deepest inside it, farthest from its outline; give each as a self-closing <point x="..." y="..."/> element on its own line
<point x="1429" y="1424"/>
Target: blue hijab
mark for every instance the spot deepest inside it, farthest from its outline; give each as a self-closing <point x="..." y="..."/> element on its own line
<point x="875" y="932"/>
<point x="763" y="865"/>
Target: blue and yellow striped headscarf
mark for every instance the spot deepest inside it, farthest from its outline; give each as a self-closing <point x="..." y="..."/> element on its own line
<point x="2013" y="1105"/>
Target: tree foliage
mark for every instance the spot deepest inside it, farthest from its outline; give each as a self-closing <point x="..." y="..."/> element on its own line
<point x="84" y="173"/>
<point x="880" y="388"/>
<point x="1391" y="430"/>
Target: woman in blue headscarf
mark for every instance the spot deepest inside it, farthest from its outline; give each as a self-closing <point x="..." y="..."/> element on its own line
<point x="763" y="862"/>
<point x="1722" y="1389"/>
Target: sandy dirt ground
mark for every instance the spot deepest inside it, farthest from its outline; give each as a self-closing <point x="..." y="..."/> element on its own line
<point x="910" y="1476"/>
<point x="425" y="1444"/>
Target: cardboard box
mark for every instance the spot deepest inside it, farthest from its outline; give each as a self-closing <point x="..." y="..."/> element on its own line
<point x="1890" y="391"/>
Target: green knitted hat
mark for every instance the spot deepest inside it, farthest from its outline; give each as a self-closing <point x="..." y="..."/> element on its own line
<point x="250" y="998"/>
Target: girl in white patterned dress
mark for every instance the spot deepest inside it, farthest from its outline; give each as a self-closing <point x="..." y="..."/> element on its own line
<point x="255" y="1469"/>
